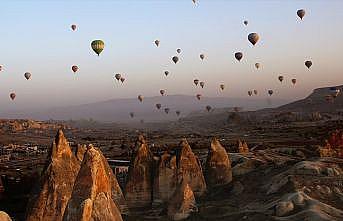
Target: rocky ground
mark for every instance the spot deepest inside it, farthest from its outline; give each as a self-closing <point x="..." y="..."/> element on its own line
<point x="278" y="174"/>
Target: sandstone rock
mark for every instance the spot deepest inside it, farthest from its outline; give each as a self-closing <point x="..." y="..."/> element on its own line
<point x="80" y="151"/>
<point x="50" y="197"/>
<point x="189" y="169"/>
<point x="182" y="204"/>
<point x="165" y="180"/>
<point x="283" y="208"/>
<point x="238" y="188"/>
<point x="93" y="193"/>
<point x="218" y="166"/>
<point x="138" y="188"/>
<point x="4" y="216"/>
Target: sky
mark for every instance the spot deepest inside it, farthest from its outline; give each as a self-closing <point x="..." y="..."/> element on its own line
<point x="36" y="37"/>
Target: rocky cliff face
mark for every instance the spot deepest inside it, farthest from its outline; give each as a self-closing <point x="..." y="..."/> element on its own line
<point x="218" y="166"/>
<point x="165" y="179"/>
<point x="94" y="192"/>
<point x="138" y="189"/>
<point x="51" y="196"/>
<point x="189" y="169"/>
<point x="182" y="203"/>
<point x="242" y="147"/>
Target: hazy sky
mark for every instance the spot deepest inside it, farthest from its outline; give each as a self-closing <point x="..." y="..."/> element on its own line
<point x="36" y="37"/>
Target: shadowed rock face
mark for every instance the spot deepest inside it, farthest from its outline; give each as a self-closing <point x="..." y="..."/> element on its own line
<point x="218" y="166"/>
<point x="242" y="147"/>
<point x="50" y="198"/>
<point x="138" y="189"/>
<point x="94" y="190"/>
<point x="189" y="169"/>
<point x="182" y="203"/>
<point x="165" y="180"/>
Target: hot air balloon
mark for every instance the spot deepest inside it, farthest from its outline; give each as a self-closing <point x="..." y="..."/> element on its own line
<point x="27" y="75"/>
<point x="250" y="93"/>
<point x="175" y="59"/>
<point x="157" y="43"/>
<point x="140" y="98"/>
<point x="178" y="50"/>
<point x="253" y="38"/>
<point x="178" y="113"/>
<point x="294" y="81"/>
<point x="194" y="1"/>
<point x="73" y="27"/>
<point x="0" y="67"/>
<point x="132" y="114"/>
<point x="162" y="92"/>
<point x="245" y="22"/>
<point x="122" y="79"/>
<point x="158" y="106"/>
<point x="196" y="81"/>
<point x="202" y="56"/>
<point x="74" y="68"/>
<point x="222" y="86"/>
<point x="301" y="13"/>
<point x="98" y="46"/>
<point x="208" y="108"/>
<point x="239" y="56"/>
<point x="255" y="92"/>
<point x="202" y="84"/>
<point x="257" y="65"/>
<point x="12" y="96"/>
<point x="166" y="73"/>
<point x="308" y="64"/>
<point x="198" y="96"/>
<point x="280" y="78"/>
<point x="166" y="110"/>
<point x="117" y="76"/>
<point x="270" y="92"/>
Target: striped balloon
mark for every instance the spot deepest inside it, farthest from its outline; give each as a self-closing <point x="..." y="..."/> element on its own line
<point x="98" y="46"/>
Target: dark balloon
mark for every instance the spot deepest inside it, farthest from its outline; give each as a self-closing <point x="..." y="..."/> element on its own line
<point x="250" y="93"/>
<point x="196" y="81"/>
<point x="301" y="13"/>
<point x="294" y="81"/>
<point x="202" y="56"/>
<point x="27" y="75"/>
<point x="198" y="96"/>
<point x="239" y="56"/>
<point x="175" y="59"/>
<point x="0" y="67"/>
<point x="74" y="68"/>
<point x="178" y="50"/>
<point x="166" y="73"/>
<point x="178" y="113"/>
<point x="257" y="65"/>
<point x="73" y="27"/>
<point x="122" y="79"/>
<point x="255" y="92"/>
<point x="166" y="110"/>
<point x="132" y="114"/>
<point x="162" y="92"/>
<point x="12" y="96"/>
<point x="245" y="22"/>
<point x="117" y="76"/>
<point x="308" y="64"/>
<point x="222" y="86"/>
<point x="253" y="38"/>
<point x="208" y="108"/>
<point x="157" y="43"/>
<point x="140" y="98"/>
<point x="158" y="106"/>
<point x="270" y="92"/>
<point x="202" y="84"/>
<point x="280" y="78"/>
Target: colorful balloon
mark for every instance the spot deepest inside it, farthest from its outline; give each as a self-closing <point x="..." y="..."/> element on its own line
<point x="98" y="46"/>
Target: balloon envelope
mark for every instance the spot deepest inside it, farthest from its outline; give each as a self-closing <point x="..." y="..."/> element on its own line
<point x="308" y="64"/>
<point x="202" y="56"/>
<point x="117" y="76"/>
<point x="301" y="13"/>
<point x="98" y="46"/>
<point x="74" y="68"/>
<point x="253" y="38"/>
<point x="257" y="65"/>
<point x="12" y="96"/>
<point x="27" y="75"/>
<point x="196" y="81"/>
<point x="73" y="27"/>
<point x="280" y="78"/>
<point x="157" y="43"/>
<point x="166" y="73"/>
<point x="202" y="84"/>
<point x="158" y="106"/>
<point x="175" y="59"/>
<point x="140" y="98"/>
<point x="239" y="56"/>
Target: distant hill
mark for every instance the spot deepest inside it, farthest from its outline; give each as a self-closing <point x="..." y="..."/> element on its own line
<point x="117" y="110"/>
<point x="316" y="102"/>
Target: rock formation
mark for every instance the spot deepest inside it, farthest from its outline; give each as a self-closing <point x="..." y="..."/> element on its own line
<point x="182" y="203"/>
<point x="189" y="169"/>
<point x="51" y="196"/>
<point x="242" y="147"/>
<point x="94" y="191"/>
<point x="80" y="151"/>
<point x="165" y="179"/>
<point x="218" y="166"/>
<point x="333" y="146"/>
<point x="138" y="189"/>
<point x="4" y="216"/>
